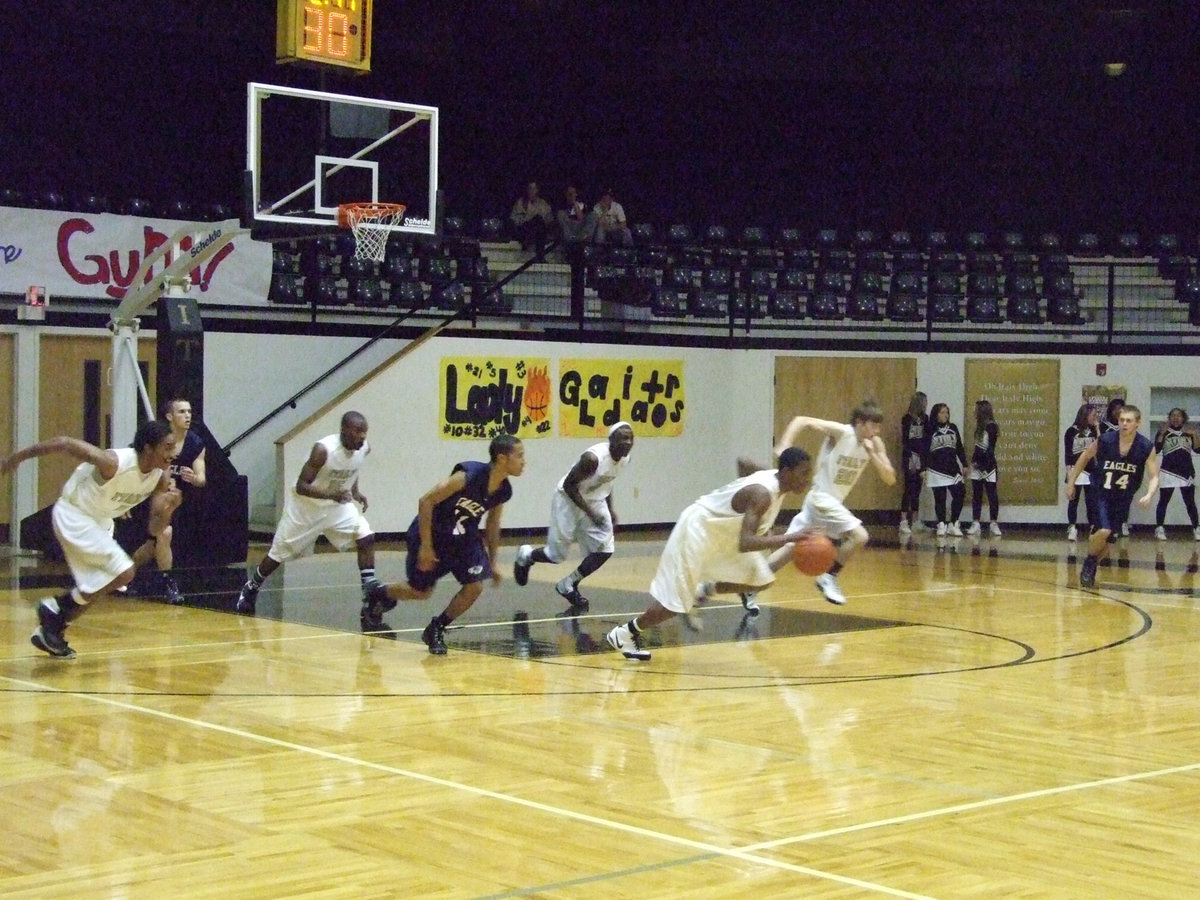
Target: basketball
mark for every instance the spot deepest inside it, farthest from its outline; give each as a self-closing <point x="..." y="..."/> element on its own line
<point x="813" y="554"/>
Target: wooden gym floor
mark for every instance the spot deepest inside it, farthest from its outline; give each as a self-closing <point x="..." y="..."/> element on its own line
<point x="971" y="724"/>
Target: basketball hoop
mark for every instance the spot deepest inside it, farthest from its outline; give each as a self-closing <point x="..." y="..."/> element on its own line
<point x="371" y="223"/>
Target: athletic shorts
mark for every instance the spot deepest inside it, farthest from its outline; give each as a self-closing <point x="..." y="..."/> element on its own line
<point x="570" y="525"/>
<point x="1112" y="510"/>
<point x="703" y="547"/>
<point x="92" y="553"/>
<point x="304" y="521"/>
<point x="466" y="559"/>
<point x="824" y="513"/>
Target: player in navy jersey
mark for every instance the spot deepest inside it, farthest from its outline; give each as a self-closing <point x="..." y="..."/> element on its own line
<point x="1121" y="458"/>
<point x="1078" y="436"/>
<point x="444" y="538"/>
<point x="1109" y="423"/>
<point x="1175" y="446"/>
<point x="913" y="428"/>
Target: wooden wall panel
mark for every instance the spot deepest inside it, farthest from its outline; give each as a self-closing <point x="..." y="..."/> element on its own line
<point x="830" y="388"/>
<point x="64" y="407"/>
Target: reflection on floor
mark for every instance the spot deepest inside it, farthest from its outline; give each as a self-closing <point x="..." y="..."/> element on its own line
<point x="534" y="622"/>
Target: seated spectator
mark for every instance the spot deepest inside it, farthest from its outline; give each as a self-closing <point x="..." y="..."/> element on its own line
<point x="610" y="221"/>
<point x="531" y="218"/>
<point x="574" y="221"/>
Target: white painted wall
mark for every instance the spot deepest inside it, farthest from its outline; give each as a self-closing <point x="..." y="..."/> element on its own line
<point x="729" y="412"/>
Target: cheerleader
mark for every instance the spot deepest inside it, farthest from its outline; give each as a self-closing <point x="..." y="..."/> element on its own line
<point x="946" y="465"/>
<point x="983" y="468"/>
<point x="1084" y="432"/>
<point x="913" y="427"/>
<point x="1175" y="448"/>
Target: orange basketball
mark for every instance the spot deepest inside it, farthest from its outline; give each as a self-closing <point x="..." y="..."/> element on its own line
<point x="813" y="554"/>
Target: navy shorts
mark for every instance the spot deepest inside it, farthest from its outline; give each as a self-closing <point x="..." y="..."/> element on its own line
<point x="1112" y="510"/>
<point x="467" y="560"/>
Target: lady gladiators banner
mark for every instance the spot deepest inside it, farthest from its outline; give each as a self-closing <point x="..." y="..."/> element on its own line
<point x="485" y="396"/>
<point x="595" y="394"/>
<point x="482" y="397"/>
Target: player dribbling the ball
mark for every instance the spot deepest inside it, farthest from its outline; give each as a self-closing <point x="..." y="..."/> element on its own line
<point x="716" y="547"/>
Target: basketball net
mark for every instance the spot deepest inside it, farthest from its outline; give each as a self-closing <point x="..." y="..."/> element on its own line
<point x="371" y="224"/>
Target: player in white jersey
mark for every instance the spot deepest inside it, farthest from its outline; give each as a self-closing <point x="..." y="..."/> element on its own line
<point x="325" y="501"/>
<point x="845" y="453"/>
<point x="581" y="511"/>
<point x="720" y="537"/>
<point x="105" y="485"/>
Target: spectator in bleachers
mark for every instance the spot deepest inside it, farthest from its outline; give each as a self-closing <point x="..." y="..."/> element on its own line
<point x="611" y="226"/>
<point x="574" y="221"/>
<point x="531" y="218"/>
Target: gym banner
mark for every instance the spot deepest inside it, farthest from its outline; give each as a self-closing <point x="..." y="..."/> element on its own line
<point x="482" y="397"/>
<point x="595" y="394"/>
<point x="96" y="255"/>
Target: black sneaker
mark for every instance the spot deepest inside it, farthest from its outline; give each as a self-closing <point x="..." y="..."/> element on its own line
<point x="1087" y="573"/>
<point x="376" y="601"/>
<point x="523" y="564"/>
<point x="434" y="637"/>
<point x="579" y="603"/>
<point x="247" y="597"/>
<point x="48" y="637"/>
<point x="171" y="590"/>
<point x="369" y="619"/>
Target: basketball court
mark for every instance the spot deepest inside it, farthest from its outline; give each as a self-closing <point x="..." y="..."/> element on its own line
<point x="971" y="723"/>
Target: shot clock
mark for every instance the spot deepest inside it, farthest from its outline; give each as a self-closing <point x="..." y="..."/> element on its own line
<point x="325" y="32"/>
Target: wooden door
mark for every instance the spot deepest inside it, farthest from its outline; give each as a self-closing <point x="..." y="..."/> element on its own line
<point x="830" y="388"/>
<point x="76" y="399"/>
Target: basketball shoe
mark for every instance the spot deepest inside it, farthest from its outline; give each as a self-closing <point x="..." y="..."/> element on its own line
<point x="622" y="638"/>
<point x="523" y="564"/>
<point x="434" y="637"/>
<point x="828" y="586"/>
<point x="48" y="637"/>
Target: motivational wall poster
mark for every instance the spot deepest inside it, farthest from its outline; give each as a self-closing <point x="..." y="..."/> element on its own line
<point x="1024" y="398"/>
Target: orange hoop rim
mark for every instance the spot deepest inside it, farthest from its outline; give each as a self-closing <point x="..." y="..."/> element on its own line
<point x="350" y="214"/>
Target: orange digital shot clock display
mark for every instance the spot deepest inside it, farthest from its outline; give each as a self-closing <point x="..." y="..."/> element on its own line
<point x="325" y="32"/>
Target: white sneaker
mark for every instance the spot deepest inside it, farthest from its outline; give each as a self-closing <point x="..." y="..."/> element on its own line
<point x="1160" y="533"/>
<point x="1196" y="533"/>
<point x="1073" y="533"/>
<point x="829" y="587"/>
<point x="630" y="645"/>
<point x="941" y="529"/>
<point x="750" y="602"/>
<point x="974" y="528"/>
<point x="994" y="529"/>
<point x="905" y="528"/>
<point x="1124" y="529"/>
<point x="954" y="530"/>
<point x="703" y="593"/>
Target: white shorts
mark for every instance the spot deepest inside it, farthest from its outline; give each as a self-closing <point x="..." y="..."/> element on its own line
<point x="938" y="479"/>
<point x="303" y="521"/>
<point x="1083" y="479"/>
<point x="569" y="524"/>
<point x="703" y="547"/>
<point x="1171" y="480"/>
<point x="824" y="513"/>
<point x="93" y="555"/>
